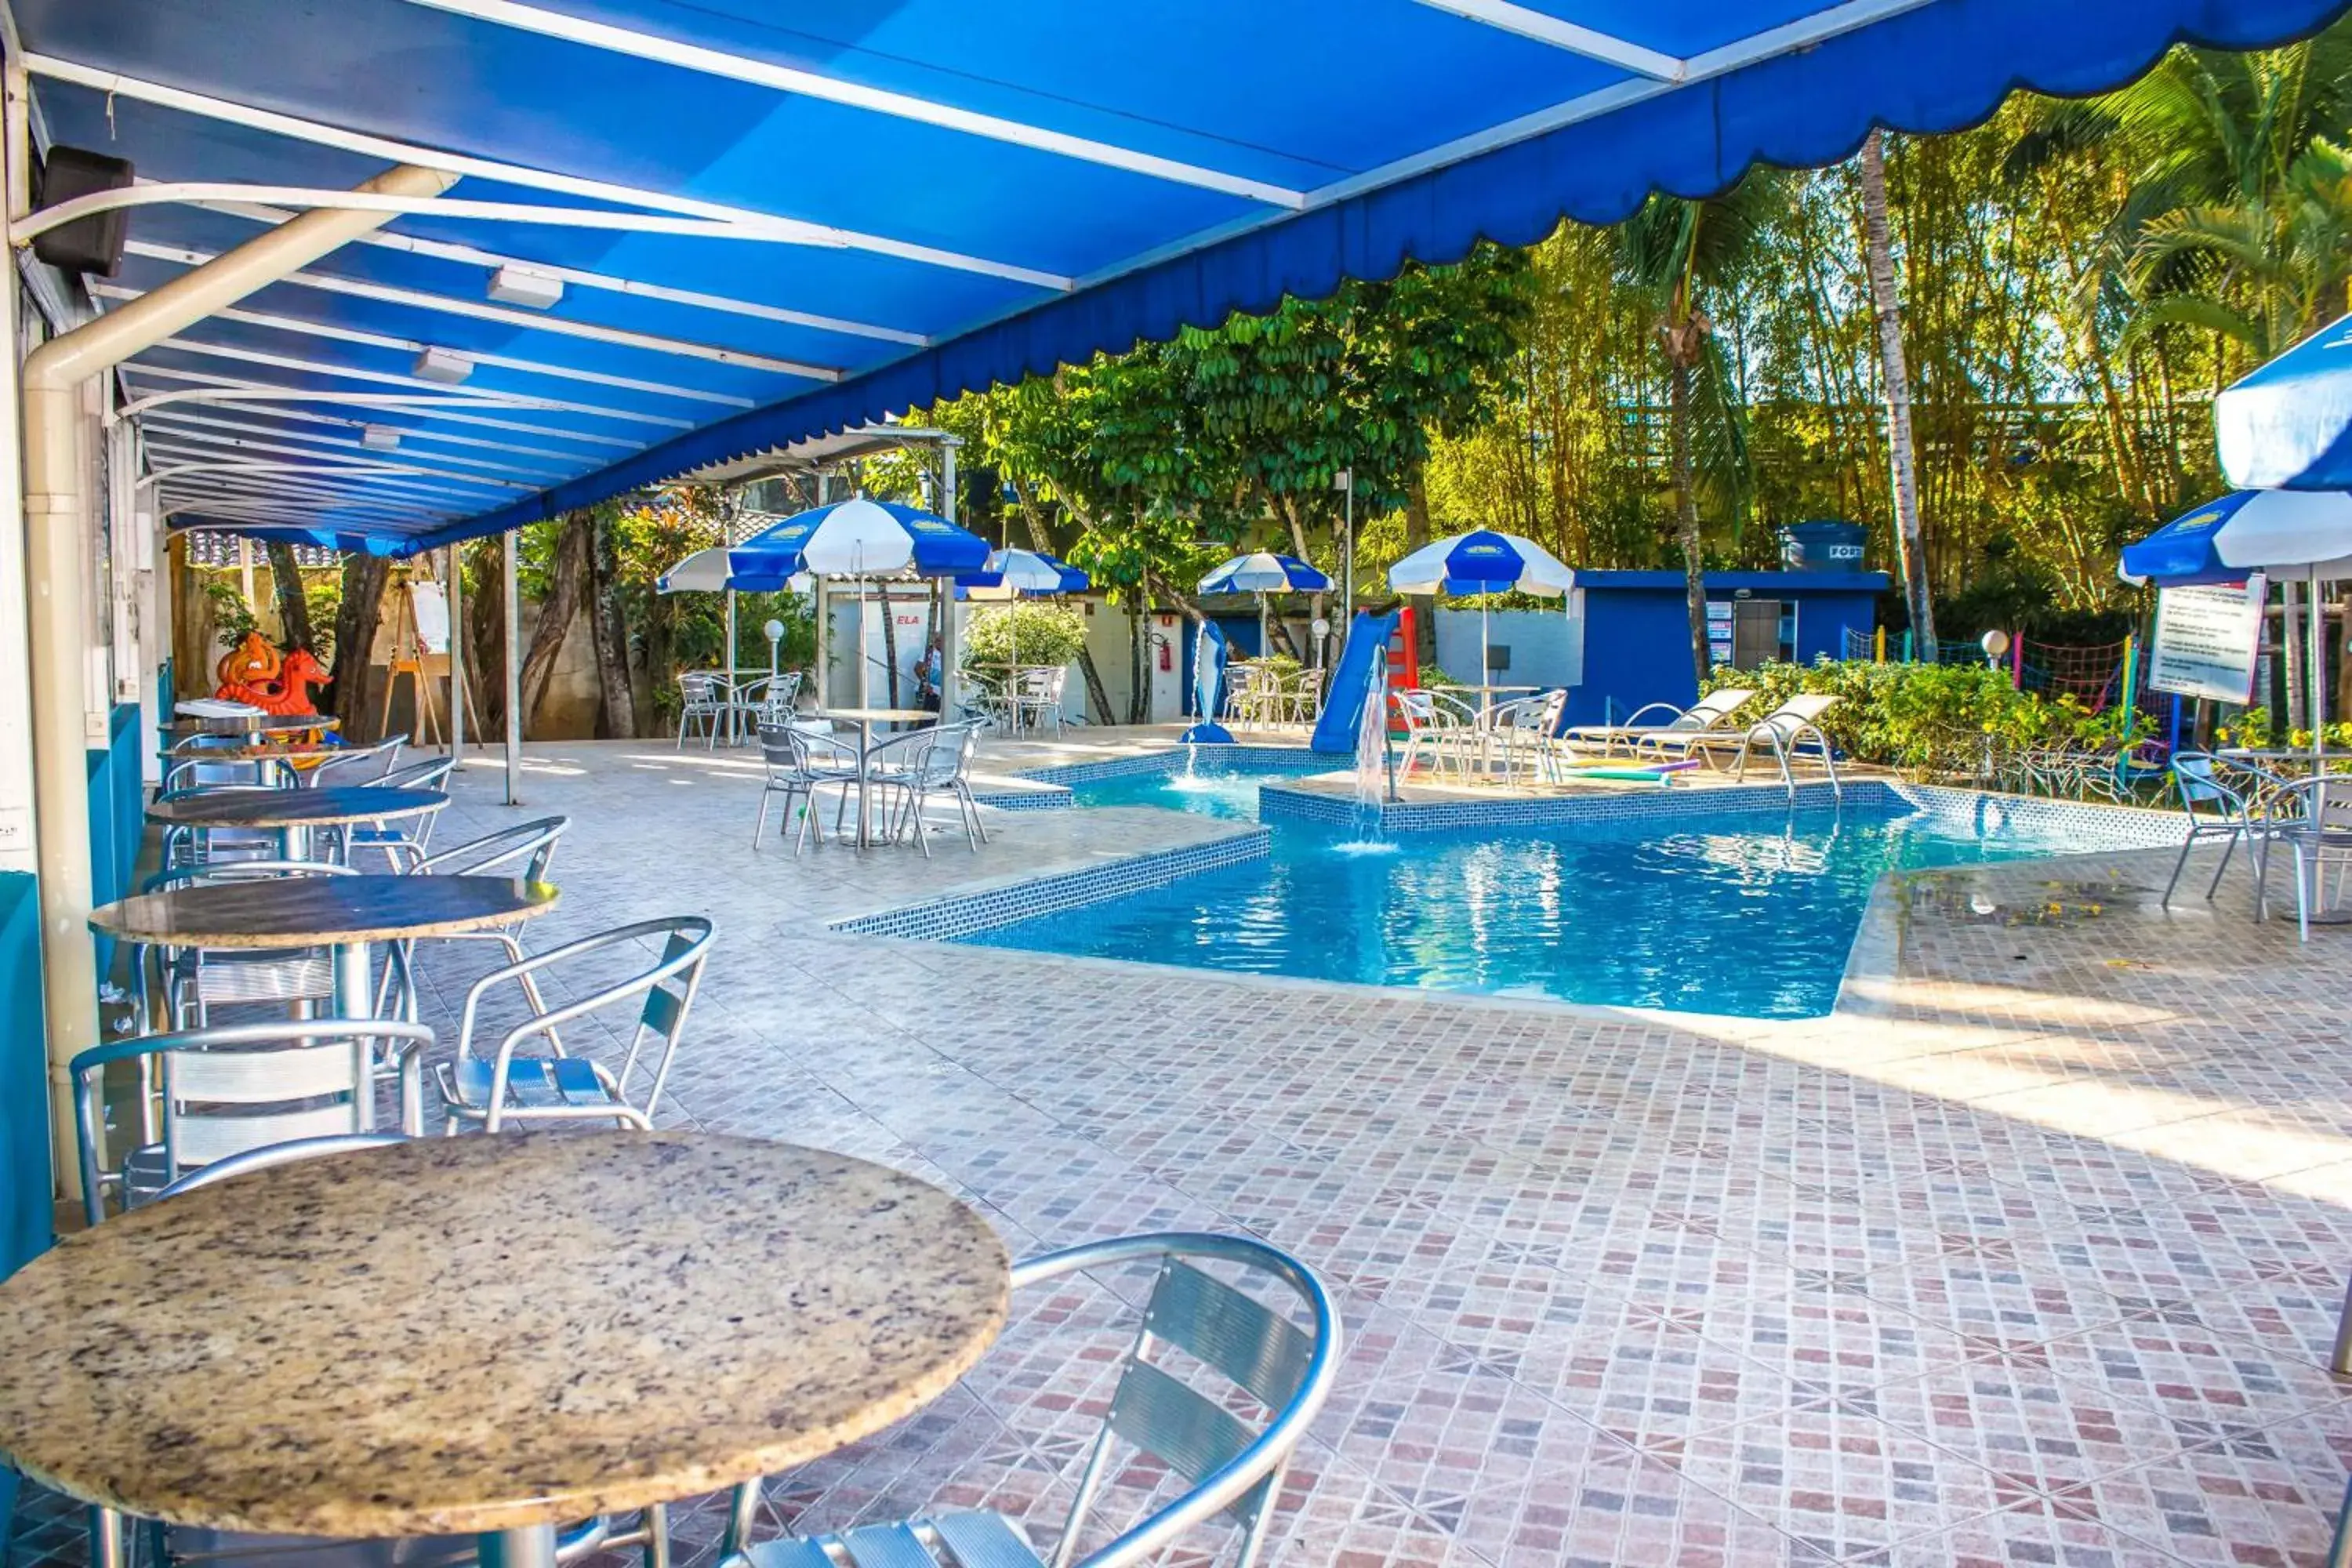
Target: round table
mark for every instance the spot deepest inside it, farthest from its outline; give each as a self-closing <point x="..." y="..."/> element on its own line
<point x="491" y="1334"/>
<point x="252" y="726"/>
<point x="293" y="812"/>
<point x="343" y="914"/>
<point x="866" y="719"/>
<point x="263" y="754"/>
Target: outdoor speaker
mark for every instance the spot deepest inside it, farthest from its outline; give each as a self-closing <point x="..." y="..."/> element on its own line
<point x="91" y="244"/>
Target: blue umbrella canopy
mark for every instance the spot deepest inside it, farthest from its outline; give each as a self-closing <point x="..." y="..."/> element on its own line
<point x="857" y="538"/>
<point x="1025" y="573"/>
<point x="1264" y="571"/>
<point x="2247" y="531"/>
<point x="1481" y="562"/>
<point x="2288" y="426"/>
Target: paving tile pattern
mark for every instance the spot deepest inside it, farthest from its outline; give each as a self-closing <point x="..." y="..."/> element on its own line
<point x="2031" y="1254"/>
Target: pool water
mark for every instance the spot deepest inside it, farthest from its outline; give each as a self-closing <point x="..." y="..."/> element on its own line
<point x="1751" y="915"/>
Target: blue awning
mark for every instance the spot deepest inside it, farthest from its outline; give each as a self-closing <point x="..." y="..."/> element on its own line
<point x="902" y="200"/>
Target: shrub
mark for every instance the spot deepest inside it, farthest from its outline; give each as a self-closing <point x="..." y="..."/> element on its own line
<point x="1048" y="635"/>
<point x="1930" y="719"/>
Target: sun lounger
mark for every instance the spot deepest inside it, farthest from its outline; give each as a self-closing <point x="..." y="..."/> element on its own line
<point x="1712" y="711"/>
<point x="1780" y="733"/>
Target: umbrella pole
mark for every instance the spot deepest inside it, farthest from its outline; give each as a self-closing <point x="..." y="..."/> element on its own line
<point x="865" y="677"/>
<point x="2316" y="657"/>
<point x="824" y="687"/>
<point x="730" y="666"/>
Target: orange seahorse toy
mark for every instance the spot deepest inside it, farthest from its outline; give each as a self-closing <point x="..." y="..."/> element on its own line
<point x="284" y="688"/>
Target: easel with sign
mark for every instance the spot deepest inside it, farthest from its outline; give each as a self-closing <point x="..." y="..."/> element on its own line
<point x="420" y="650"/>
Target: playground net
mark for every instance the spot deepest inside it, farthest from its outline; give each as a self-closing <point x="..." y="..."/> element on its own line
<point x="2089" y="675"/>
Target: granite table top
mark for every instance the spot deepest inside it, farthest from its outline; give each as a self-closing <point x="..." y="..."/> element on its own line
<point x="490" y="1333"/>
<point x="296" y="912"/>
<point x="294" y="808"/>
<point x="247" y="723"/>
<point x="251" y="751"/>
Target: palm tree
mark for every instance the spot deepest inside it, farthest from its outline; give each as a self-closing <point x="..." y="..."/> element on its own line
<point x="1676" y="252"/>
<point x="1910" y="549"/>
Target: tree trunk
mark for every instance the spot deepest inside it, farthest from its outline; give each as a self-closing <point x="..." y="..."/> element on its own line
<point x="609" y="628"/>
<point x="1678" y="383"/>
<point x="555" y="613"/>
<point x="1097" y="696"/>
<point x="1910" y="553"/>
<point x="1139" y="666"/>
<point x="356" y="618"/>
<point x="889" y="645"/>
<point x="293" y="609"/>
<point x="485" y="632"/>
<point x="1416" y="534"/>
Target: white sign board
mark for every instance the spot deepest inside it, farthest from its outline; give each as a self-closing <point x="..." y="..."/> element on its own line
<point x="2207" y="640"/>
<point x="432" y="616"/>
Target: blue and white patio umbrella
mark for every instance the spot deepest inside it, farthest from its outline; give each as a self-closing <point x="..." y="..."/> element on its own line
<point x="857" y="538"/>
<point x="1262" y="572"/>
<point x="1023" y="573"/>
<point x="2298" y="534"/>
<point x="2306" y="532"/>
<point x="2288" y="424"/>
<point x="1013" y="573"/>
<point x="1483" y="561"/>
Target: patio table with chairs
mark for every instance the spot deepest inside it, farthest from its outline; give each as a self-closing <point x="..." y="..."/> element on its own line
<point x="293" y="815"/>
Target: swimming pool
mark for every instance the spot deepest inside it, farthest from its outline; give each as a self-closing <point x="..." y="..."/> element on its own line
<point x="1747" y="913"/>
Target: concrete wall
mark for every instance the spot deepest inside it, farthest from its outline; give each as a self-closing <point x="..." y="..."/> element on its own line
<point x="1544" y="647"/>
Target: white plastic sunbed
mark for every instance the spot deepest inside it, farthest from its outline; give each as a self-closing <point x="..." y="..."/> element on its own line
<point x="1710" y="712"/>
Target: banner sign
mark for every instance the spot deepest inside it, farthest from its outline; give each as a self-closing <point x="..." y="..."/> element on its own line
<point x="2207" y="640"/>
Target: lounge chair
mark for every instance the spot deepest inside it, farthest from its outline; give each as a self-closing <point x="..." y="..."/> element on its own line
<point x="1712" y="711"/>
<point x="1780" y="732"/>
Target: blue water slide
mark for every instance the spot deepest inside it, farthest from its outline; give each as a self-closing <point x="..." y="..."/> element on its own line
<point x="1343" y="706"/>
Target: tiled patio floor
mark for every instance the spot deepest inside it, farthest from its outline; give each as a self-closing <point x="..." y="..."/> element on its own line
<point x="2031" y="1256"/>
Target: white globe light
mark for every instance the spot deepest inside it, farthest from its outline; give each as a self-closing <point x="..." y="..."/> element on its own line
<point x="775" y="630"/>
<point x="1995" y="642"/>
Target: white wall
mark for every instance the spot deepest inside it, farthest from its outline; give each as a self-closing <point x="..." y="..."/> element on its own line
<point x="1547" y="647"/>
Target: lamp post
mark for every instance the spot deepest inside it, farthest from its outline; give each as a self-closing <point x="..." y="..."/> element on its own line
<point x="1344" y="481"/>
<point x="775" y="630"/>
<point x="1995" y="644"/>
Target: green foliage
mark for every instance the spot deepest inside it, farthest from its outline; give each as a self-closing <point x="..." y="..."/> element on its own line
<point x="1037" y="633"/>
<point x="1930" y="719"/>
<point x="233" y="618"/>
<point x="2256" y="727"/>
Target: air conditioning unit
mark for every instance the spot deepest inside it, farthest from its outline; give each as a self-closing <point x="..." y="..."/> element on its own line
<point x="379" y="437"/>
<point x="443" y="365"/>
<point x="512" y="285"/>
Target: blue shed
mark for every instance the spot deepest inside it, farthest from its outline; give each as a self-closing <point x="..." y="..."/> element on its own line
<point x="1634" y="633"/>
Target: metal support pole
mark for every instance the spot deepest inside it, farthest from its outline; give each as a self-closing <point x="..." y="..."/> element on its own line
<point x="513" y="664"/>
<point x="950" y="642"/>
<point x="56" y="472"/>
<point x="457" y="651"/>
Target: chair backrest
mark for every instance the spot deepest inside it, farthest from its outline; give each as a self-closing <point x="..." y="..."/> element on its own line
<point x="1714" y="707"/>
<point x="231" y="1088"/>
<point x="1804" y="707"/>
<point x="430" y="773"/>
<point x="358" y="765"/>
<point x="697" y="687"/>
<point x="190" y="775"/>
<point x="668" y="984"/>
<point x="2192" y="773"/>
<point x="269" y="1155"/>
<point x="1227" y="1340"/>
<point x="499" y="851"/>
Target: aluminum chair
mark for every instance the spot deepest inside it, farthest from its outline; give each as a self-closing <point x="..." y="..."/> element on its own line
<point x="931" y="761"/>
<point x="293" y="1151"/>
<point x="769" y="700"/>
<point x="2235" y="820"/>
<point x="2313" y="817"/>
<point x="1436" y="726"/>
<point x="177" y="987"/>
<point x="703" y="700"/>
<point x="1234" y="1466"/>
<point x="213" y="1093"/>
<point x="503" y="1085"/>
<point x="1526" y="728"/>
<point x="357" y="765"/>
<point x="1037" y="698"/>
<point x="527" y="850"/>
<point x="1303" y="702"/>
<point x="796" y="769"/>
<point x="401" y="840"/>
